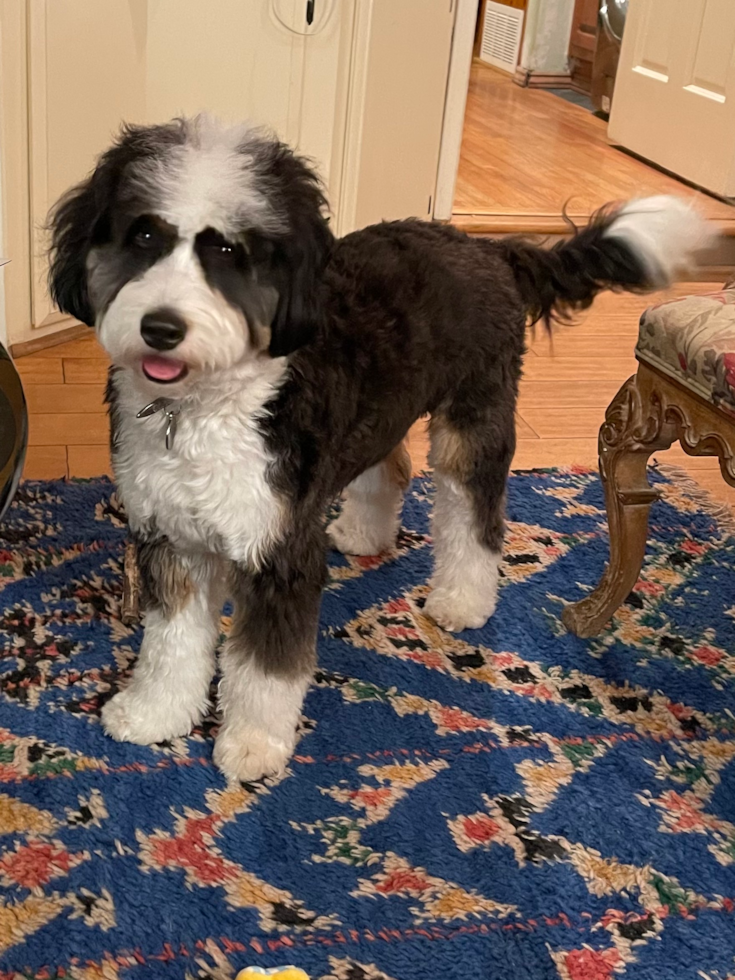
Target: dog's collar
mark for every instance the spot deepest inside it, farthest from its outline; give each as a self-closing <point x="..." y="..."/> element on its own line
<point x="170" y="409"/>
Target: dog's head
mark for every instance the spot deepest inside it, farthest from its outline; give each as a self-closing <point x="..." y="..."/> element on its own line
<point x="190" y="247"/>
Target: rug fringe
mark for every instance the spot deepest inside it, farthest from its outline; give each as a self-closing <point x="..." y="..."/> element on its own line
<point x="720" y="511"/>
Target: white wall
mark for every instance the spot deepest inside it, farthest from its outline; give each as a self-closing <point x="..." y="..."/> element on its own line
<point x="3" y="324"/>
<point x="546" y="40"/>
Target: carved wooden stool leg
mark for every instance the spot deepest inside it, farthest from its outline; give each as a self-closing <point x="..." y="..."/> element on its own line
<point x="634" y="428"/>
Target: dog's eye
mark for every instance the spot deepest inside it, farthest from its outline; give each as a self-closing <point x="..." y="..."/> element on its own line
<point x="146" y="236"/>
<point x="145" y="239"/>
<point x="212" y="243"/>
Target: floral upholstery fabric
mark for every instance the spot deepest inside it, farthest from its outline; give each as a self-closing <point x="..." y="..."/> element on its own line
<point x="693" y="341"/>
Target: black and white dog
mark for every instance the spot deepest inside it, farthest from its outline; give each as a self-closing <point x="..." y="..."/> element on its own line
<point x="279" y="367"/>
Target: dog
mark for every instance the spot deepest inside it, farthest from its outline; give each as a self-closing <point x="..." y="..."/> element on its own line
<point x="260" y="368"/>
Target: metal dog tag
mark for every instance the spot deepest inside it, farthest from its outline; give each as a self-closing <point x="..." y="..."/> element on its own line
<point x="163" y="405"/>
<point x="171" y="415"/>
<point x="152" y="407"/>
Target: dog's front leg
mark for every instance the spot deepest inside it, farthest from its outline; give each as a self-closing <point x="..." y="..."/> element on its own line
<point x="269" y="660"/>
<point x="169" y="690"/>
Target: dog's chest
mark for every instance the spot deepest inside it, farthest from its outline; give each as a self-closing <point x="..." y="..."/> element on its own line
<point x="209" y="492"/>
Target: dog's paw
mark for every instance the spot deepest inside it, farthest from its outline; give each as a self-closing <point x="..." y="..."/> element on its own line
<point x="245" y="753"/>
<point x="144" y="717"/>
<point x="352" y="538"/>
<point x="457" y="609"/>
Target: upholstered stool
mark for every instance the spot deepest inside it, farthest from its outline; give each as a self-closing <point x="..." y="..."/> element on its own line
<point x="684" y="391"/>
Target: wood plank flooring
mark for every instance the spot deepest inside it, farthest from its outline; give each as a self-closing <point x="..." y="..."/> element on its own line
<point x="528" y="152"/>
<point x="569" y="379"/>
<point x="68" y="428"/>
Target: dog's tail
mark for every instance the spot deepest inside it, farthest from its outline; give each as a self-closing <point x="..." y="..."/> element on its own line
<point x="638" y="247"/>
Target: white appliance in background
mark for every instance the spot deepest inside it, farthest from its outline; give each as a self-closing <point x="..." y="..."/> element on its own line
<point x="502" y="30"/>
<point x="607" y="52"/>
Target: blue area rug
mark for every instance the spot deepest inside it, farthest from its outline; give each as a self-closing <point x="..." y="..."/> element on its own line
<point x="510" y="803"/>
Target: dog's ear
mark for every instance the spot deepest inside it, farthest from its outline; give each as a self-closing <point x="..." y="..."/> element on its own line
<point x="73" y="223"/>
<point x="299" y="254"/>
<point x="82" y="217"/>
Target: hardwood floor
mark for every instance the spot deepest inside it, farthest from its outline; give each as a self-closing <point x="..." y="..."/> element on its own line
<point x="569" y="379"/>
<point x="528" y="152"/>
<point x="68" y="429"/>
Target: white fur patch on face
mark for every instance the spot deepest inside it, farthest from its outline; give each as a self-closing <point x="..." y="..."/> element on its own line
<point x="217" y="336"/>
<point x="211" y="181"/>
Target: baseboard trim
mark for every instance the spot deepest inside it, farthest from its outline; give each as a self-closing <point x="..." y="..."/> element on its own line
<point x="50" y="340"/>
<point x="527" y="78"/>
<point x="516" y="224"/>
<point x="538" y="224"/>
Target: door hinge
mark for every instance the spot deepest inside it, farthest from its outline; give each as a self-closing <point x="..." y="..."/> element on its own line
<point x="430" y="200"/>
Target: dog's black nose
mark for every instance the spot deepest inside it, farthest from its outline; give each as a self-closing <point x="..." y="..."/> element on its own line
<point x="162" y="329"/>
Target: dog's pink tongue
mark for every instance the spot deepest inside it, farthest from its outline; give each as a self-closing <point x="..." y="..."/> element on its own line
<point x="162" y="368"/>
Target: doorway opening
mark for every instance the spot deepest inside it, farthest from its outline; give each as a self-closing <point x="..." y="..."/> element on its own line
<point x="535" y="140"/>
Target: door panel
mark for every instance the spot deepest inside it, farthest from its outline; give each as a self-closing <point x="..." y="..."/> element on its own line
<point x="713" y="56"/>
<point x="584" y="28"/>
<point x="675" y="91"/>
<point x="96" y="63"/>
<point x="236" y="64"/>
<point x="653" y="43"/>
<point x="583" y="41"/>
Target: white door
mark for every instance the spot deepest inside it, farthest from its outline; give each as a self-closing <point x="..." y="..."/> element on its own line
<point x="674" y="98"/>
<point x="398" y="103"/>
<point x="96" y="63"/>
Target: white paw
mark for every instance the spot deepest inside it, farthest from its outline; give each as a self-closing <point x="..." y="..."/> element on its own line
<point x="457" y="609"/>
<point x="361" y="539"/>
<point x="245" y="753"/>
<point x="145" y="717"/>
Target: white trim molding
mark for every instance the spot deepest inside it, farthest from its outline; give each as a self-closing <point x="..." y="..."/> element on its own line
<point x="454" y="109"/>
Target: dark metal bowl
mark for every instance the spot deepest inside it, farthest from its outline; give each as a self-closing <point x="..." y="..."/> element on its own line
<point x="612" y="14"/>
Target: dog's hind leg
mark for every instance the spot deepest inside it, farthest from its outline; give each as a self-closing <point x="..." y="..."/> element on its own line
<point x="471" y="455"/>
<point x="169" y="690"/>
<point x="371" y="509"/>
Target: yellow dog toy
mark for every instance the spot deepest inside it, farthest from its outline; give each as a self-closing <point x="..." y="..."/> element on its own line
<point x="278" y="973"/>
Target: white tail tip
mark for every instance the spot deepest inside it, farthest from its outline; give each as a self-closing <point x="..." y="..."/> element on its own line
<point x="665" y="232"/>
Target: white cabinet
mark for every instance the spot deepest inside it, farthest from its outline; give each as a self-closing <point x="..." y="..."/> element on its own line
<point x="360" y="90"/>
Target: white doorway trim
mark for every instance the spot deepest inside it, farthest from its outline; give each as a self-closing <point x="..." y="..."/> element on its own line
<point x="356" y="91"/>
<point x="454" y="107"/>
